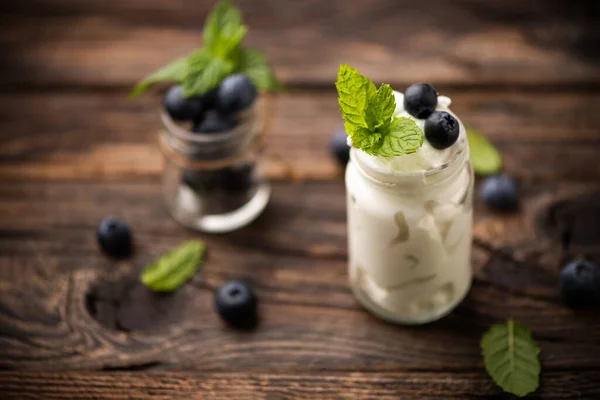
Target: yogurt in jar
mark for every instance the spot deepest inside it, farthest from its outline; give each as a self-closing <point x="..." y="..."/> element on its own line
<point x="410" y="228"/>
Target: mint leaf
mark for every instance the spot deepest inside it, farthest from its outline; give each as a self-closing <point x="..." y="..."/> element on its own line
<point x="404" y="137"/>
<point x="222" y="55"/>
<point x="223" y="30"/>
<point x="174" y="71"/>
<point x="511" y="357"/>
<point x="380" y="108"/>
<point x="484" y="157"/>
<point x="368" y="117"/>
<point x="204" y="73"/>
<point x="354" y="91"/>
<point x="174" y="268"/>
<point x="255" y="66"/>
<point x="365" y="139"/>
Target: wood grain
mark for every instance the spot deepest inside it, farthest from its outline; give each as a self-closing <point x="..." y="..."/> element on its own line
<point x="277" y="385"/>
<point x="105" y="136"/>
<point x="295" y="258"/>
<point x="114" y="43"/>
<point x="73" y="150"/>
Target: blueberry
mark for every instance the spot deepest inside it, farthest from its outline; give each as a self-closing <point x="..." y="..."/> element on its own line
<point x="580" y="283"/>
<point x="181" y="108"/>
<point x="210" y="99"/>
<point x="236" y="93"/>
<point x="214" y="122"/>
<point x="338" y="145"/>
<point x="499" y="192"/>
<point x="237" y="304"/>
<point x="441" y="130"/>
<point x="114" y="237"/>
<point x="420" y="100"/>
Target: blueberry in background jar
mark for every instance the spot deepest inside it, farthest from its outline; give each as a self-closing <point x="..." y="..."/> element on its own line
<point x="236" y="93"/>
<point x="181" y="108"/>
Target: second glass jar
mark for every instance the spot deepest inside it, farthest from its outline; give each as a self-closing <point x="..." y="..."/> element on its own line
<point x="213" y="182"/>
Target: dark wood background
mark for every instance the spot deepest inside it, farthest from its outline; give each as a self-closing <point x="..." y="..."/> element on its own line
<point x="74" y="149"/>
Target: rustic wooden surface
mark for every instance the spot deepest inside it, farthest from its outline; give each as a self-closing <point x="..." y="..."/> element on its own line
<point x="73" y="149"/>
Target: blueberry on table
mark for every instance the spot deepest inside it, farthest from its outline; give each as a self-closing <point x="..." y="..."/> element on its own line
<point x="214" y="122"/>
<point x="441" y="130"/>
<point x="236" y="93"/>
<point x="580" y="283"/>
<point x="114" y="237"/>
<point x="338" y="146"/>
<point x="181" y="108"/>
<point x="420" y="100"/>
<point x="499" y="192"/>
<point x="236" y="304"/>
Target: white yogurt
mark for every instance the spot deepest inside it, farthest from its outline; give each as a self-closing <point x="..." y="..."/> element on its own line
<point x="410" y="228"/>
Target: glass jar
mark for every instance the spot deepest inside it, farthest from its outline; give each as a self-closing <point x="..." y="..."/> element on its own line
<point x="212" y="181"/>
<point x="410" y="237"/>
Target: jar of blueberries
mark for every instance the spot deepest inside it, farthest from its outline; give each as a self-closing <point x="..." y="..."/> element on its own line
<point x="212" y="146"/>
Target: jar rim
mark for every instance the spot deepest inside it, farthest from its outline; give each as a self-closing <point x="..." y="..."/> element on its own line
<point x="434" y="174"/>
<point x="194" y="138"/>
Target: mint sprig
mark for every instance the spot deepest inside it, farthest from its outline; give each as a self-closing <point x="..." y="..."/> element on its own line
<point x="222" y="55"/>
<point x="511" y="357"/>
<point x="174" y="268"/>
<point x="369" y="120"/>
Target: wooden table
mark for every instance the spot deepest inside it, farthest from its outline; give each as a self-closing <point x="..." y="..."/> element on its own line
<point x="74" y="149"/>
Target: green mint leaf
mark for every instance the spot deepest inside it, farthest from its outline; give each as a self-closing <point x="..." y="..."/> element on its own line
<point x="511" y="357"/>
<point x="354" y="92"/>
<point x="363" y="138"/>
<point x="380" y="109"/>
<point x="223" y="30"/>
<point x="368" y="117"/>
<point x="204" y="72"/>
<point x="255" y="66"/>
<point x="174" y="268"/>
<point x="174" y="71"/>
<point x="484" y="157"/>
<point x="403" y="137"/>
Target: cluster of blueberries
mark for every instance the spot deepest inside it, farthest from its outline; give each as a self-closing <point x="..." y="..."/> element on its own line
<point x="214" y="112"/>
<point x="234" y="301"/>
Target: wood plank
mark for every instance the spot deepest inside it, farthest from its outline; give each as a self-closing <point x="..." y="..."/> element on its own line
<point x="106" y="137"/>
<point x="111" y="42"/>
<point x="277" y="385"/>
<point x="295" y="258"/>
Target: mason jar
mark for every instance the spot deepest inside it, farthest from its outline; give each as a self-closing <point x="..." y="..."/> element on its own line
<point x="213" y="182"/>
<point x="410" y="236"/>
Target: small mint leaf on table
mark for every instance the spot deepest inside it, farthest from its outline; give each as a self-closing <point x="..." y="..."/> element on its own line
<point x="174" y="268"/>
<point x="368" y="117"/>
<point x="485" y="159"/>
<point x="511" y="358"/>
